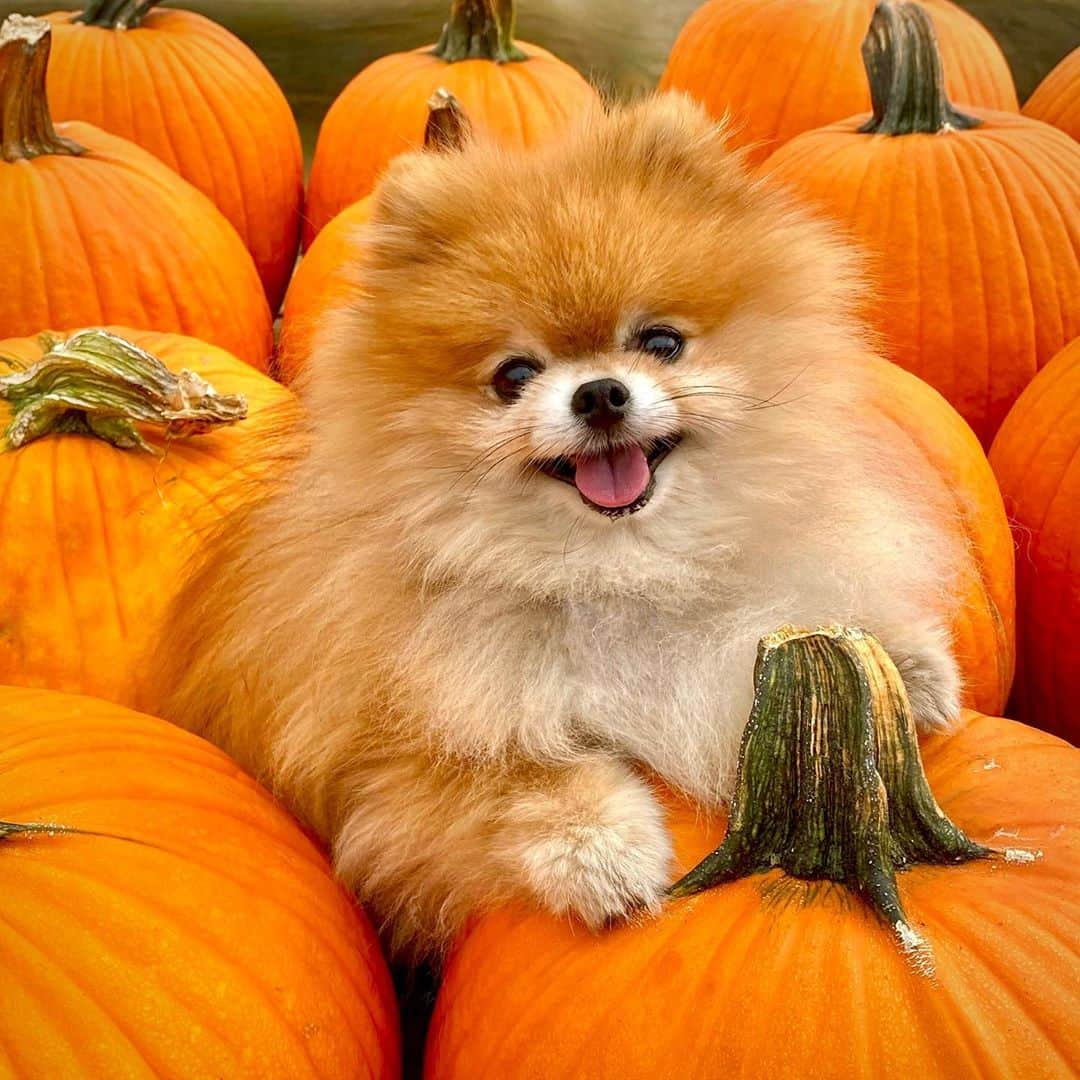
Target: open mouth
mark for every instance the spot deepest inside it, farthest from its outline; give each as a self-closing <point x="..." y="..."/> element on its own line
<point x="617" y="481"/>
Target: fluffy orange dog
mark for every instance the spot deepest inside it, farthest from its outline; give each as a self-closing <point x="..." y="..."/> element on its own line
<point x="591" y="428"/>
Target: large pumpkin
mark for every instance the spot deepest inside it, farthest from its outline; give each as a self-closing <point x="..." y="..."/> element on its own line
<point x="781" y="67"/>
<point x="96" y="230"/>
<point x="809" y="955"/>
<point x="169" y="919"/>
<point x="1036" y="457"/>
<point x="971" y="221"/>
<point x="518" y="92"/>
<point x="94" y="538"/>
<point x="1056" y="99"/>
<point x="199" y="99"/>
<point x="912" y="414"/>
<point x="327" y="274"/>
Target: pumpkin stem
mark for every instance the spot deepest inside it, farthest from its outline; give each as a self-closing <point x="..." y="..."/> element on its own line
<point x="479" y="30"/>
<point x="115" y="14"/>
<point x="907" y="83"/>
<point x="448" y="128"/>
<point x="98" y="384"/>
<point x="26" y="128"/>
<point x="830" y="782"/>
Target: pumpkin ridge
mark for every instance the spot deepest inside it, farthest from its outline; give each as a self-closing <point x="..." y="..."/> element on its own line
<point x="130" y="901"/>
<point x="1017" y="202"/>
<point x="251" y="150"/>
<point x="973" y="242"/>
<point x="211" y="118"/>
<point x="190" y="856"/>
<point x="107" y="543"/>
<point x="33" y="963"/>
<point x="810" y="53"/>
<point x="1063" y="216"/>
<point x="1021" y="1000"/>
<point x="61" y="559"/>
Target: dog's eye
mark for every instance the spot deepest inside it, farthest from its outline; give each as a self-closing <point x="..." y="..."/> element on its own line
<point x="660" y="341"/>
<point x="512" y="376"/>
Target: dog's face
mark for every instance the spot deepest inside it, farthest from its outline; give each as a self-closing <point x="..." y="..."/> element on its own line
<point x="567" y="351"/>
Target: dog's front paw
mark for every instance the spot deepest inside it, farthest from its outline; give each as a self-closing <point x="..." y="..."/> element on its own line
<point x="597" y="848"/>
<point x="924" y="658"/>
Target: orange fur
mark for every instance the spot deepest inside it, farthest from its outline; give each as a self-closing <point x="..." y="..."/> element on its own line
<point x="445" y="661"/>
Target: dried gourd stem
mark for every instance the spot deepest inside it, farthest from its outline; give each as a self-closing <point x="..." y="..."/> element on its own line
<point x="830" y="783"/>
<point x="99" y="384"/>
<point x="115" y="14"/>
<point x="479" y="30"/>
<point x="26" y="128"/>
<point x="13" y="829"/>
<point x="448" y="128"/>
<point x="907" y="82"/>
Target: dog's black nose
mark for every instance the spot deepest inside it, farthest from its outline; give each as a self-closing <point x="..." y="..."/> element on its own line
<point x="601" y="403"/>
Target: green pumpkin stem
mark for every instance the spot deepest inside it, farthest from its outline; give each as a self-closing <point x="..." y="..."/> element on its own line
<point x="448" y="128"/>
<point x="115" y="14"/>
<point x="96" y="383"/>
<point x="26" y="128"/>
<point x="907" y="83"/>
<point x="830" y="782"/>
<point x="479" y="30"/>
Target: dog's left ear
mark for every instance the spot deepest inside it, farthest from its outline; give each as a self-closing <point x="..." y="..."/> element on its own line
<point x="448" y="128"/>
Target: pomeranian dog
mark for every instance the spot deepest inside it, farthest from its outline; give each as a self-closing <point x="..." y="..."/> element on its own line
<point x="593" y="423"/>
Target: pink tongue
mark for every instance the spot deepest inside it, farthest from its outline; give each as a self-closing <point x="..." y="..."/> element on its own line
<point x="615" y="478"/>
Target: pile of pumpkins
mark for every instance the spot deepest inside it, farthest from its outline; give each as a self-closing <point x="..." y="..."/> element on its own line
<point x="161" y="914"/>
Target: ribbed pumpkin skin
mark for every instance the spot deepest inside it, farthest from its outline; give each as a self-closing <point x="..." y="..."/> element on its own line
<point x="95" y="541"/>
<point x="199" y="99"/>
<point x="115" y="236"/>
<point x="1057" y="98"/>
<point x="983" y="628"/>
<point x="1036" y="457"/>
<point x="211" y="941"/>
<point x="782" y="67"/>
<point x="973" y="239"/>
<point x="322" y="281"/>
<point x="772" y="977"/>
<point x="383" y="112"/>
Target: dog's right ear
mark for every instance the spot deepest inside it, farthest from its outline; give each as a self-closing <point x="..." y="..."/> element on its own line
<point x="448" y="128"/>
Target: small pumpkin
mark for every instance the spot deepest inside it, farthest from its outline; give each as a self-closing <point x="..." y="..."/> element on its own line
<point x="327" y="274"/>
<point x="781" y="67"/>
<point x="103" y="499"/>
<point x="518" y="92"/>
<point x="195" y="96"/>
<point x="844" y="926"/>
<point x="970" y="220"/>
<point x="1036" y="457"/>
<point x="1056" y="99"/>
<point x="96" y="230"/>
<point x="164" y="916"/>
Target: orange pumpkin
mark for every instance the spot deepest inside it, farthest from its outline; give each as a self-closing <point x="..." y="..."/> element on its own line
<point x="199" y="99"/>
<point x="970" y="220"/>
<point x="849" y="928"/>
<point x="781" y="67"/>
<point x="95" y="539"/>
<point x="1057" y="98"/>
<point x="97" y="230"/>
<point x="912" y="414"/>
<point x="326" y="275"/>
<point x="518" y="92"/>
<point x="170" y="919"/>
<point x="1036" y="457"/>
